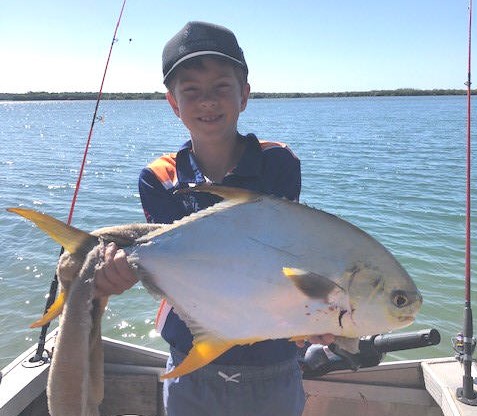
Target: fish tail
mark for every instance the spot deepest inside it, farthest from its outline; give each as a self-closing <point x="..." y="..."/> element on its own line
<point x="52" y="312"/>
<point x="71" y="238"/>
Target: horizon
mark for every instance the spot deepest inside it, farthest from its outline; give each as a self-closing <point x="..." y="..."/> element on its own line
<point x="417" y="90"/>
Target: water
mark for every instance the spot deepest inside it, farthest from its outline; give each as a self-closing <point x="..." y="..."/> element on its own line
<point x="393" y="166"/>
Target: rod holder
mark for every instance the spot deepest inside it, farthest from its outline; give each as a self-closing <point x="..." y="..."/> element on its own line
<point x="466" y="394"/>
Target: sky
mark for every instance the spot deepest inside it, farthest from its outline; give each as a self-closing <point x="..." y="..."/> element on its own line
<point x="290" y="46"/>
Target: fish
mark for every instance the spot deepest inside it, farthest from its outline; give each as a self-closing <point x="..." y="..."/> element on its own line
<point x="250" y="268"/>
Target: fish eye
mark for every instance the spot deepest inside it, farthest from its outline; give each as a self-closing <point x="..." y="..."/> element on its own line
<point x="399" y="298"/>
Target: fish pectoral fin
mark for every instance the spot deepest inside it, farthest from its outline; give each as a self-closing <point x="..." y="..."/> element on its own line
<point x="311" y="284"/>
<point x="71" y="238"/>
<point x="52" y="312"/>
<point x="201" y="354"/>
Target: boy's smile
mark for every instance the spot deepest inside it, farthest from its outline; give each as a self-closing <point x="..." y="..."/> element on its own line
<point x="208" y="98"/>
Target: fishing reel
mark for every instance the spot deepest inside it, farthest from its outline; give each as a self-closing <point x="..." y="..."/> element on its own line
<point x="320" y="359"/>
<point x="458" y="347"/>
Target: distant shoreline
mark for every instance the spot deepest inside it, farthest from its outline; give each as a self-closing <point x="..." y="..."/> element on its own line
<point x="72" y="96"/>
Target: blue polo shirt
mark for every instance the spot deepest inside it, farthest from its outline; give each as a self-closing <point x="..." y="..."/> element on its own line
<point x="265" y="167"/>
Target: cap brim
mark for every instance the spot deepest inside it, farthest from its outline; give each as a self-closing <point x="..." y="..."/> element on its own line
<point x="199" y="53"/>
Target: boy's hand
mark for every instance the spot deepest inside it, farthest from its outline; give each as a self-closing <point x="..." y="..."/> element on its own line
<point x="324" y="339"/>
<point x="114" y="276"/>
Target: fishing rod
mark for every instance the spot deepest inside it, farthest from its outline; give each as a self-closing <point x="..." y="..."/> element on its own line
<point x="466" y="393"/>
<point x="319" y="360"/>
<point x="39" y="355"/>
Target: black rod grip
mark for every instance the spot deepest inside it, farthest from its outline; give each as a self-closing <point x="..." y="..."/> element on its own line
<point x="406" y="340"/>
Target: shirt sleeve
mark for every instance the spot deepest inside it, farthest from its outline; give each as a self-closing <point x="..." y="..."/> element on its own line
<point x="158" y="203"/>
<point x="283" y="173"/>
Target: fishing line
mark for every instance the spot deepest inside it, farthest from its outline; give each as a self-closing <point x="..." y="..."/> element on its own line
<point x="466" y="393"/>
<point x="54" y="284"/>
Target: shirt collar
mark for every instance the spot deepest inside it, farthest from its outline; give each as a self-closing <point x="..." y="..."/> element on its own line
<point x="249" y="164"/>
<point x="186" y="167"/>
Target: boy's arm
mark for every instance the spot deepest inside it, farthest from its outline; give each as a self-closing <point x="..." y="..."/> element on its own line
<point x="283" y="173"/>
<point x="158" y="203"/>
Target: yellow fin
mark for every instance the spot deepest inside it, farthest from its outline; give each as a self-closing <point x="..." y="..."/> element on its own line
<point x="52" y="312"/>
<point x="201" y="354"/>
<point x="311" y="284"/>
<point x="229" y="193"/>
<point x="71" y="238"/>
<point x="298" y="338"/>
<point x="291" y="272"/>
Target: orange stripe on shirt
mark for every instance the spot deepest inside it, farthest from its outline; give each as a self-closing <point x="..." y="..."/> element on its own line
<point x="165" y="170"/>
<point x="265" y="145"/>
<point x="162" y="312"/>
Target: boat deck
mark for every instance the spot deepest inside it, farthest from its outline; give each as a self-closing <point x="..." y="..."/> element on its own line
<point x="442" y="377"/>
<point x="132" y="387"/>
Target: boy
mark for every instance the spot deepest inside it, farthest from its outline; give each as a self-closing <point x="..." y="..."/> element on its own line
<point x="206" y="76"/>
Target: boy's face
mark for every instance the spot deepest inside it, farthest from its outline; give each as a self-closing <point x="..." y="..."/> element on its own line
<point x="208" y="99"/>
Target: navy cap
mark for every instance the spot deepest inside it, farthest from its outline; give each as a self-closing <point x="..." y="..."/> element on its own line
<point x="200" y="38"/>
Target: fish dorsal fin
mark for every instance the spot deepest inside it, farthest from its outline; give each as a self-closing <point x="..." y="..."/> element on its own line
<point x="228" y="193"/>
<point x="311" y="284"/>
<point x="71" y="238"/>
<point x="231" y="197"/>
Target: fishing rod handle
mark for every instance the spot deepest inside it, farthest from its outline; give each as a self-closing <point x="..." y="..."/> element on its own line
<point x="404" y="341"/>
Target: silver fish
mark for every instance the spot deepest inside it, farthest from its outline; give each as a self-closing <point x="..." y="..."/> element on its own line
<point x="250" y="268"/>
